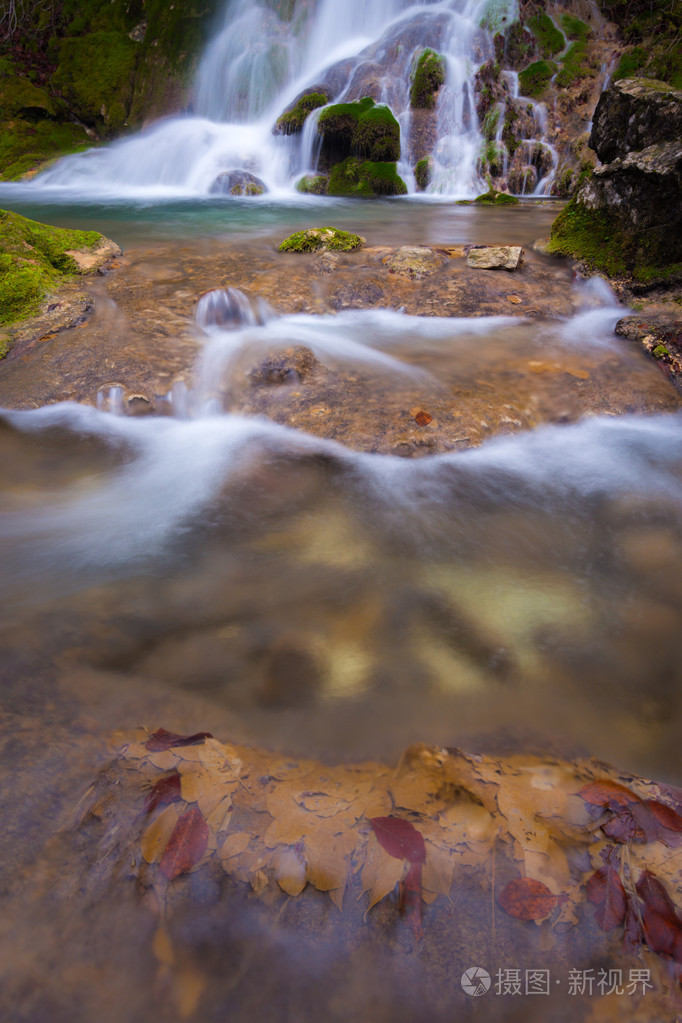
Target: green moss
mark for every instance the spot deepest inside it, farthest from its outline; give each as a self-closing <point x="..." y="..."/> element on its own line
<point x="427" y="78"/>
<point x="603" y="243"/>
<point x="514" y="47"/>
<point x="534" y="79"/>
<point x="312" y="184"/>
<point x="509" y="129"/>
<point x="574" y="28"/>
<point x="422" y="173"/>
<point x="317" y="238"/>
<point x="661" y="352"/>
<point x="95" y="74"/>
<point x="495" y="15"/>
<point x="493" y="198"/>
<point x="33" y="260"/>
<point x="492" y="159"/>
<point x="576" y="65"/>
<point x="25" y="146"/>
<point x="352" y="177"/>
<point x="547" y="36"/>
<point x="359" y="129"/>
<point x="291" y="121"/>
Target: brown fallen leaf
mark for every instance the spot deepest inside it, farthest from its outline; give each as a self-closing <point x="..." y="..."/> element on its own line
<point x="605" y="889"/>
<point x="162" y="740"/>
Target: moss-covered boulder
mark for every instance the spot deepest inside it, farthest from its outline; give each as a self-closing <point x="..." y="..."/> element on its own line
<point x="291" y="121"/>
<point x="313" y="184"/>
<point x="358" y="179"/>
<point x="549" y="39"/>
<point x="427" y="78"/>
<point x="422" y="173"/>
<point x="514" y="47"/>
<point x="97" y="71"/>
<point x="237" y="182"/>
<point x="626" y="217"/>
<point x="36" y="258"/>
<point x="316" y="239"/>
<point x="535" y="78"/>
<point x="493" y="198"/>
<point x="362" y="129"/>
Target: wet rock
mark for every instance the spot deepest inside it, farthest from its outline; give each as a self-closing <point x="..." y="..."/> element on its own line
<point x="495" y="257"/>
<point x="227" y="308"/>
<point x="291" y="366"/>
<point x="634" y="114"/>
<point x="139" y="405"/>
<point x="316" y="239"/>
<point x="237" y="182"/>
<point x="291" y="120"/>
<point x="659" y="337"/>
<point x="413" y="261"/>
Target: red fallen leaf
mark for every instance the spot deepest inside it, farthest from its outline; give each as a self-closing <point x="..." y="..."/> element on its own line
<point x="607" y="794"/>
<point x="186" y="845"/>
<point x="606" y="891"/>
<point x="411" y="899"/>
<point x="423" y="418"/>
<point x="162" y="740"/>
<point x="633" y="935"/>
<point x="661" y="924"/>
<point x="527" y="899"/>
<point x="399" y="838"/>
<point x="165" y="792"/>
<point x="668" y="819"/>
<point x="673" y="794"/>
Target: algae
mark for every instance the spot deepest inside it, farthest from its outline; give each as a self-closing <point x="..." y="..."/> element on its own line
<point x="547" y="36"/>
<point x="292" y="120"/>
<point x="535" y="78"/>
<point x="494" y="198"/>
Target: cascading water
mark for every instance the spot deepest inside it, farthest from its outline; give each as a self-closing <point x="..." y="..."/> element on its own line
<point x="260" y="61"/>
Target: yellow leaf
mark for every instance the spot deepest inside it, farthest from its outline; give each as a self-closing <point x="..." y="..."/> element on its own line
<point x="288" y="831"/>
<point x="234" y="844"/>
<point x="336" y="895"/>
<point x="381" y="872"/>
<point x="328" y="864"/>
<point x="219" y="817"/>
<point x="437" y="870"/>
<point x="290" y="871"/>
<point x="155" y="838"/>
<point x="165" y="759"/>
<point x="162" y="948"/>
<point x="259" y="881"/>
<point x="321" y="803"/>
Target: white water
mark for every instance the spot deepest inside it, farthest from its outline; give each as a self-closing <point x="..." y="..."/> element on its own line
<point x="257" y="65"/>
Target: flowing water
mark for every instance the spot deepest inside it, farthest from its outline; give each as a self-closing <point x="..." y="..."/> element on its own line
<point x="207" y="569"/>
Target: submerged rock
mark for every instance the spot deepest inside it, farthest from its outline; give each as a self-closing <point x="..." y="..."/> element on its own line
<point x="495" y="257"/>
<point x="414" y="261"/>
<point x="237" y="182"/>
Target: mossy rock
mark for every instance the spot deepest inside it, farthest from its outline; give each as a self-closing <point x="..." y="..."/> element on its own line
<point x="315" y="239"/>
<point x="96" y="75"/>
<point x="427" y="78"/>
<point x="355" y="178"/>
<point x="422" y="173"/>
<point x="362" y="129"/>
<point x="293" y="119"/>
<point x="34" y="259"/>
<point x="313" y="184"/>
<point x="19" y="97"/>
<point x="494" y="198"/>
<point x="574" y="28"/>
<point x="575" y="65"/>
<point x="514" y="47"/>
<point x="492" y="159"/>
<point x="602" y="243"/>
<point x="547" y="36"/>
<point x="535" y="78"/>
<point x="26" y="147"/>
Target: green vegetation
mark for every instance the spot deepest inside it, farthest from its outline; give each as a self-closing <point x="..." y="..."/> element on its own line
<point x="422" y="173"/>
<point x="352" y="177"/>
<point x="576" y="65"/>
<point x="493" y="198"/>
<point x="534" y="79"/>
<point x="661" y="352"/>
<point x="492" y="159"/>
<point x="292" y="120"/>
<point x="360" y="129"/>
<point x="604" y="244"/>
<point x="312" y="184"/>
<point x="509" y="127"/>
<point x="547" y="36"/>
<point x="427" y="78"/>
<point x="490" y="122"/>
<point x="34" y="259"/>
<point x="97" y="73"/>
<point x="653" y="31"/>
<point x="315" y="239"/>
<point x="515" y="46"/>
<point x="574" y="28"/>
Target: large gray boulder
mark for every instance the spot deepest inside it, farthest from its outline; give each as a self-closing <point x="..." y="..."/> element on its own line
<point x="634" y="114"/>
<point x="637" y="133"/>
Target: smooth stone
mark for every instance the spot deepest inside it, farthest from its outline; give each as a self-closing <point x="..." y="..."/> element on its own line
<point x="495" y="257"/>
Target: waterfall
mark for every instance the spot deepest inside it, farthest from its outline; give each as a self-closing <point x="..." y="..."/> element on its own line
<point x="260" y="60"/>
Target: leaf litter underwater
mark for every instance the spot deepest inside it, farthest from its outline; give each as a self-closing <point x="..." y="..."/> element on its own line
<point x="221" y="572"/>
